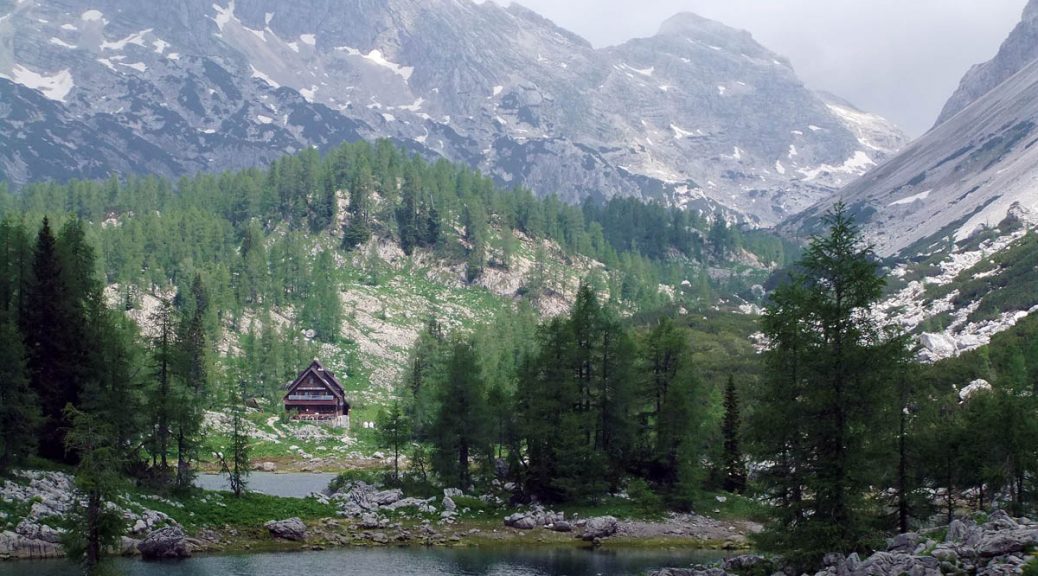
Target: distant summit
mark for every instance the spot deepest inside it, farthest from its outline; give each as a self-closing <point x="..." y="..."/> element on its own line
<point x="1019" y="50"/>
<point x="700" y="115"/>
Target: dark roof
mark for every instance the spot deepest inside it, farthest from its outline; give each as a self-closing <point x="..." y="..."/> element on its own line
<point x="324" y="375"/>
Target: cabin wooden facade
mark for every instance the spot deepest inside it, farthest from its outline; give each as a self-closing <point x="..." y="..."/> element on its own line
<point x="317" y="395"/>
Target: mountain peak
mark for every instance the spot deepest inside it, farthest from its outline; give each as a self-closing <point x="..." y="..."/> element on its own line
<point x="1016" y="53"/>
<point x="690" y="23"/>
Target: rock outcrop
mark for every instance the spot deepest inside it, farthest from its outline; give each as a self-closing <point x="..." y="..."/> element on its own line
<point x="165" y="544"/>
<point x="999" y="547"/>
<point x="291" y="529"/>
<point x="49" y="496"/>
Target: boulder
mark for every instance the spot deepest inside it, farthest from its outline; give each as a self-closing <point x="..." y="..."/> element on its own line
<point x="561" y="526"/>
<point x="165" y="544"/>
<point x="452" y="493"/>
<point x="1005" y="542"/>
<point x="267" y="467"/>
<point x="748" y="563"/>
<point x="387" y="497"/>
<point x="906" y="542"/>
<point x="600" y="527"/>
<point x="291" y="529"/>
<point x="448" y="504"/>
<point x="526" y="523"/>
<point x="957" y="532"/>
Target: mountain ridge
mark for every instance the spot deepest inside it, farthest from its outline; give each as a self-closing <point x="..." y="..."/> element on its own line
<point x="714" y="121"/>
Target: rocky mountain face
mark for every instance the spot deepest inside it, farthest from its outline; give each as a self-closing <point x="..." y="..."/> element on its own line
<point x="699" y="115"/>
<point x="956" y="208"/>
<point x="965" y="176"/>
<point x="1019" y="50"/>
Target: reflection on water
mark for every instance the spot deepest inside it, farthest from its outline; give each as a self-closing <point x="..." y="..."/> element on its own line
<point x="396" y="562"/>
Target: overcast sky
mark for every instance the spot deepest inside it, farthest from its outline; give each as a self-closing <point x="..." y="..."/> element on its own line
<point x="900" y="58"/>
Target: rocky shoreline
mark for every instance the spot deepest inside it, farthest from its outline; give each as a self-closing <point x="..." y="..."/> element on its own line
<point x="360" y="514"/>
<point x="1001" y="546"/>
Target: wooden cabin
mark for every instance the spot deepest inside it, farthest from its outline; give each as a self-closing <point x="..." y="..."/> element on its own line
<point x="316" y="395"/>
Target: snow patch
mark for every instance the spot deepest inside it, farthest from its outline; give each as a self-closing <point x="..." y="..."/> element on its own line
<point x="388" y="117"/>
<point x="793" y="151"/>
<point x="160" y="46"/>
<point x="308" y="39"/>
<point x="136" y="39"/>
<point x="92" y="16"/>
<point x="62" y="43"/>
<point x="223" y="15"/>
<point x="856" y="164"/>
<point x="779" y="167"/>
<point x="414" y="107"/>
<point x="54" y="87"/>
<point x="257" y="74"/>
<point x="813" y="128"/>
<point x="267" y="18"/>
<point x="308" y="95"/>
<point x="69" y="27"/>
<point x="680" y="133"/>
<point x="294" y="46"/>
<point x="108" y="64"/>
<point x="737" y="153"/>
<point x="910" y="199"/>
<point x="173" y="56"/>
<point x="498" y="90"/>
<point x="138" y="66"/>
<point x="721" y="90"/>
<point x="264" y="119"/>
<point x="376" y="57"/>
<point x="643" y="71"/>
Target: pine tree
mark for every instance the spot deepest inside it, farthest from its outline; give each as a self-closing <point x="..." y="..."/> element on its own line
<point x="734" y="467"/>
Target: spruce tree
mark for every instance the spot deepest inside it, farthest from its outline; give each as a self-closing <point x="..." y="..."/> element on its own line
<point x="52" y="325"/>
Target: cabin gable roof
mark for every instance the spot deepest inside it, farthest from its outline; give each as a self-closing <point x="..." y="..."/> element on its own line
<point x="322" y="376"/>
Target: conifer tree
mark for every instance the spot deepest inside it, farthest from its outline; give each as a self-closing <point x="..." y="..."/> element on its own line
<point x="394" y="433"/>
<point x="237" y="469"/>
<point x="817" y="412"/>
<point x="734" y="466"/>
<point x="19" y="410"/>
<point x="460" y="430"/>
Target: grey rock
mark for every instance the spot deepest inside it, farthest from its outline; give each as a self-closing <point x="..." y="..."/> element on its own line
<point x="1019" y="50"/>
<point x="599" y="527"/>
<point x="947" y="184"/>
<point x="526" y="523"/>
<point x="957" y="532"/>
<point x="499" y="88"/>
<point x="387" y="497"/>
<point x="906" y="542"/>
<point x="561" y="526"/>
<point x="291" y="529"/>
<point x="448" y="504"/>
<point x="164" y="544"/>
<point x="1006" y="542"/>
